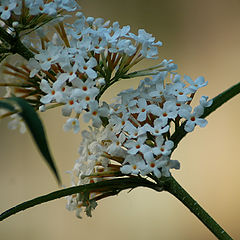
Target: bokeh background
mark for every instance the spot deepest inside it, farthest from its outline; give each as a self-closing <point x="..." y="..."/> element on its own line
<point x="203" y="38"/>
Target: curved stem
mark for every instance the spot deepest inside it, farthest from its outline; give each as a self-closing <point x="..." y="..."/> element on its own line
<point x="218" y="101"/>
<point x="115" y="185"/>
<point x="172" y="186"/>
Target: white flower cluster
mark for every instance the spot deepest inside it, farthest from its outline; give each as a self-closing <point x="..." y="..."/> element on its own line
<point x="96" y="35"/>
<point x="73" y="69"/>
<point x="94" y="56"/>
<point x="35" y="7"/>
<point x="137" y="138"/>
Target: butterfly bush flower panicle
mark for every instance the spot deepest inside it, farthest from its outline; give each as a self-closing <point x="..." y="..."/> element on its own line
<point x="83" y="59"/>
<point x="137" y="138"/>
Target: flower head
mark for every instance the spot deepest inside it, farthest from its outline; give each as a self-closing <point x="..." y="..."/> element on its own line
<point x="137" y="137"/>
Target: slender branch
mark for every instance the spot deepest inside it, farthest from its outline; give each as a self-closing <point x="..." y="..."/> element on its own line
<point x="115" y="185"/>
<point x="222" y="98"/>
<point x="218" y="101"/>
<point x="172" y="186"/>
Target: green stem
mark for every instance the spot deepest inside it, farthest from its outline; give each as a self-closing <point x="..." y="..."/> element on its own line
<point x="16" y="45"/>
<point x="218" y="101"/>
<point x="172" y="186"/>
<point x="19" y="48"/>
<point x="106" y="86"/>
<point x="114" y="186"/>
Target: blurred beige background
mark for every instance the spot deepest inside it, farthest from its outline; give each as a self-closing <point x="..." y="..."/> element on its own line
<point x="203" y="38"/>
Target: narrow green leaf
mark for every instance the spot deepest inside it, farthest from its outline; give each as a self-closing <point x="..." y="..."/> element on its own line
<point x="36" y="128"/>
<point x="7" y="106"/>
